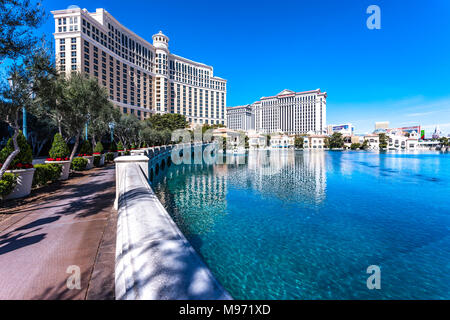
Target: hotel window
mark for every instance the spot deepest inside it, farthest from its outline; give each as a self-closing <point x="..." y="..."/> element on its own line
<point x="73" y="40"/>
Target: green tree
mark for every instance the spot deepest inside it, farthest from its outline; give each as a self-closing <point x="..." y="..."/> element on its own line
<point x="23" y="159"/>
<point x="364" y="145"/>
<point x="86" y="148"/>
<point x="298" y="142"/>
<point x="355" y="146"/>
<point x="383" y="141"/>
<point x="98" y="147"/>
<point x="18" y="18"/>
<point x="59" y="148"/>
<point x="12" y="99"/>
<point x="336" y="140"/>
<point x="168" y="121"/>
<point x="86" y="100"/>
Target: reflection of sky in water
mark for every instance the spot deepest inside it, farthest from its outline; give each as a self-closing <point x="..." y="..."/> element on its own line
<point x="306" y="225"/>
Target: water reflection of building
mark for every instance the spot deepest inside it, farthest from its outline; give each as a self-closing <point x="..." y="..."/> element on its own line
<point x="195" y="195"/>
<point x="287" y="174"/>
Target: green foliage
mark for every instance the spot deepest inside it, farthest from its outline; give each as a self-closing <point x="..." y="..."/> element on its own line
<point x="7" y="184"/>
<point x="383" y="141"/>
<point x="168" y="121"/>
<point x="120" y="146"/>
<point x="298" y="142"/>
<point x="113" y="147"/>
<point x="98" y="147"/>
<point x="59" y="148"/>
<point x="79" y="164"/>
<point x="19" y="18"/>
<point x="97" y="161"/>
<point x="109" y="157"/>
<point x="133" y="146"/>
<point x="45" y="173"/>
<point x="364" y="145"/>
<point x="444" y="141"/>
<point x="144" y="145"/>
<point x="336" y="140"/>
<point x="355" y="146"/>
<point x="25" y="156"/>
<point x="86" y="148"/>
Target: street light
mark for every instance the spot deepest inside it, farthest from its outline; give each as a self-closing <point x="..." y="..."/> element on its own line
<point x="24" y="110"/>
<point x="111" y="127"/>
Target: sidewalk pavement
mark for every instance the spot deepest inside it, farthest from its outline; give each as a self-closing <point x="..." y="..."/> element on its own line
<point x="71" y="227"/>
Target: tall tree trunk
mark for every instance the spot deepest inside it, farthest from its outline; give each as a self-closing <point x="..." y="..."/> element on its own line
<point x="75" y="147"/>
<point x="13" y="154"/>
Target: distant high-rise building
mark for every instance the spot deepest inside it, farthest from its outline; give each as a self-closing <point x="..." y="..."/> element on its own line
<point x="382" y="125"/>
<point x="141" y="77"/>
<point x="241" y="118"/>
<point x="287" y="112"/>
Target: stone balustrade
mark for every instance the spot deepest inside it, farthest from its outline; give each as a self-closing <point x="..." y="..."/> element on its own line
<point x="153" y="258"/>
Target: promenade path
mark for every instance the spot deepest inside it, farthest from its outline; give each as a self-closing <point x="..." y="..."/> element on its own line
<point x="71" y="224"/>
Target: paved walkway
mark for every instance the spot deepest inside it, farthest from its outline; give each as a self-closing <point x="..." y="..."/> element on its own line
<point x="73" y="226"/>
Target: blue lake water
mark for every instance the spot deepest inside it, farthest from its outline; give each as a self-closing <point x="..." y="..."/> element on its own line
<point x="306" y="225"/>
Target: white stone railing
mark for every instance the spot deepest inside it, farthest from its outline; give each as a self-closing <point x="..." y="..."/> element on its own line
<point x="153" y="258"/>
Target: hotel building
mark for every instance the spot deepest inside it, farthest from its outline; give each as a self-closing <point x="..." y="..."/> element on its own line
<point x="141" y="77"/>
<point x="288" y="112"/>
<point x="241" y="118"/>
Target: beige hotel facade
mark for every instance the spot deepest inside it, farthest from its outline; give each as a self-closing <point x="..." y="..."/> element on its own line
<point x="141" y="77"/>
<point x="287" y="112"/>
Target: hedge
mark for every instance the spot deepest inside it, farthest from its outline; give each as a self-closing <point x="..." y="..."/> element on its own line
<point x="7" y="183"/>
<point x="46" y="173"/>
<point x="109" y="157"/>
<point x="79" y="164"/>
<point x="97" y="160"/>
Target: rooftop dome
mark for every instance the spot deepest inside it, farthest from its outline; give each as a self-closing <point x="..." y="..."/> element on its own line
<point x="160" y="40"/>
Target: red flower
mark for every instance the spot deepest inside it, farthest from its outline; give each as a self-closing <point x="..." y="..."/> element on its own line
<point x="58" y="159"/>
<point x="19" y="165"/>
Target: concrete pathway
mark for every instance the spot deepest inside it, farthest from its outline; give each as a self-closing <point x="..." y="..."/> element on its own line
<point x="73" y="226"/>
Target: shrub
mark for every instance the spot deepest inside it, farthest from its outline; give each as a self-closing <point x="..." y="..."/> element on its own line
<point x="86" y="148"/>
<point x="133" y="146"/>
<point x="97" y="160"/>
<point x="120" y="146"/>
<point x="113" y="147"/>
<point x="59" y="149"/>
<point x="25" y="157"/>
<point x="98" y="148"/>
<point x="45" y="173"/>
<point x="109" y="157"/>
<point x="7" y="183"/>
<point x="79" y="164"/>
<point x="127" y="153"/>
<point x="144" y="145"/>
<point x="354" y="146"/>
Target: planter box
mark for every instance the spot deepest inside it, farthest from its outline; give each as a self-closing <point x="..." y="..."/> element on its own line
<point x="116" y="154"/>
<point x="90" y="163"/>
<point x="102" y="160"/>
<point x="24" y="182"/>
<point x="65" y="168"/>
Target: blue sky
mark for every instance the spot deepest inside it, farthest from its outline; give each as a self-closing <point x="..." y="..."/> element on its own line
<point x="400" y="73"/>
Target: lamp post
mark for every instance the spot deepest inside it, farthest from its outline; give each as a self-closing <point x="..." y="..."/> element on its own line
<point x="24" y="110"/>
<point x="111" y="127"/>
